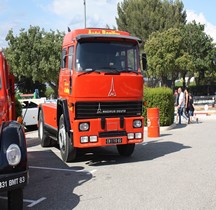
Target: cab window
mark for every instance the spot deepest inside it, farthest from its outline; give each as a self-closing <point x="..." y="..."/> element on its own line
<point x="70" y="57"/>
<point x="63" y="58"/>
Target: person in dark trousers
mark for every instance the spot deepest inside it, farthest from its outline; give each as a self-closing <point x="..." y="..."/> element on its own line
<point x="181" y="105"/>
<point x="191" y="108"/>
<point x="186" y="108"/>
<point x="176" y="98"/>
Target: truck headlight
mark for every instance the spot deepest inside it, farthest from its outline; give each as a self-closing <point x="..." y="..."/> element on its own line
<point x="13" y="155"/>
<point x="137" y="123"/>
<point x="84" y="126"/>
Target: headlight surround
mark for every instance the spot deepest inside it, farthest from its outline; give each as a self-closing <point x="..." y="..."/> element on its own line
<point x="13" y="154"/>
<point x="84" y="126"/>
<point x="137" y="123"/>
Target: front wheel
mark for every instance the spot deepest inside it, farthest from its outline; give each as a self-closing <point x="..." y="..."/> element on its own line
<point x="15" y="199"/>
<point x="126" y="149"/>
<point x="68" y="152"/>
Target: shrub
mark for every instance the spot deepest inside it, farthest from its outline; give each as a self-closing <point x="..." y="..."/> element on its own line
<point x="163" y="99"/>
<point x="49" y="92"/>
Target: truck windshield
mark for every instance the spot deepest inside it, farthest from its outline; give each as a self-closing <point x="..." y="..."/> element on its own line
<point x="107" y="57"/>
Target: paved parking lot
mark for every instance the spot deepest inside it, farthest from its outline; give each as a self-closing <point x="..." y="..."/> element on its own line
<point x="173" y="171"/>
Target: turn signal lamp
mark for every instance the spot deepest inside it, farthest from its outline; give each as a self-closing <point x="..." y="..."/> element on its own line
<point x="84" y="139"/>
<point x="93" y="138"/>
<point x="20" y="119"/>
<point x="138" y="135"/>
<point x="130" y="135"/>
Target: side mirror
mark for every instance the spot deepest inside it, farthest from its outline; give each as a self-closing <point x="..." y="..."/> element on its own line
<point x="144" y="61"/>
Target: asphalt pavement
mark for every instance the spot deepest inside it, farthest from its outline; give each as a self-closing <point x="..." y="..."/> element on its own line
<point x="175" y="171"/>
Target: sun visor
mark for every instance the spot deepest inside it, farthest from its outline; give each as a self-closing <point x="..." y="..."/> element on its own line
<point x="107" y="36"/>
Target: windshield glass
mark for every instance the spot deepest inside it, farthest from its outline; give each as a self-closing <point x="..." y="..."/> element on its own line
<point x="106" y="56"/>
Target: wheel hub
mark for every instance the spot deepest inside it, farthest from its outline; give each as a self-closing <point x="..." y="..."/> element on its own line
<point x="62" y="138"/>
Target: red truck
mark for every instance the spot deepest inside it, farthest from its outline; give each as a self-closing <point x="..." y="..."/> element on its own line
<point x="13" y="153"/>
<point x="100" y="94"/>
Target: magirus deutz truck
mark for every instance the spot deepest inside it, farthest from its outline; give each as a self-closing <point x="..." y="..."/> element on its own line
<point x="100" y="94"/>
<point x="13" y="152"/>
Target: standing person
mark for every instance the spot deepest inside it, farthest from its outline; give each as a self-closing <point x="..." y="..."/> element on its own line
<point x="176" y="97"/>
<point x="191" y="108"/>
<point x="186" y="93"/>
<point x="181" y="105"/>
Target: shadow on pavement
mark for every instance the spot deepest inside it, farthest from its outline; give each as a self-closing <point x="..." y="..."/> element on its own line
<point x="54" y="180"/>
<point x="143" y="152"/>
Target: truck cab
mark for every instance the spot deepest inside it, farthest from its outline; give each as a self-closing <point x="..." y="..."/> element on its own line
<point x="13" y="152"/>
<point x="100" y="94"/>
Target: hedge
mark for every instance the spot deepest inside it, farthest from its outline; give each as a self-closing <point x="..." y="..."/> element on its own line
<point x="163" y="99"/>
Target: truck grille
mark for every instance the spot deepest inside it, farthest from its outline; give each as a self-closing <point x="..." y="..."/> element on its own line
<point x="85" y="110"/>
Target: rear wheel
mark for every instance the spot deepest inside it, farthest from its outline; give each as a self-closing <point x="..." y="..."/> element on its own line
<point x="126" y="149"/>
<point x="15" y="199"/>
<point x="68" y="152"/>
<point x="43" y="137"/>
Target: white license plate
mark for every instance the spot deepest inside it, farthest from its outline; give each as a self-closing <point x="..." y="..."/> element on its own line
<point x="13" y="182"/>
<point x="114" y="141"/>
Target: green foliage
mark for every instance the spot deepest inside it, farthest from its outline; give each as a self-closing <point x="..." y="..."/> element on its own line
<point x="164" y="50"/>
<point x="141" y="18"/>
<point x="18" y="107"/>
<point x="180" y="52"/>
<point x="202" y="51"/>
<point x="163" y="99"/>
<point x="35" y="54"/>
<point x="26" y="85"/>
<point x="49" y="92"/>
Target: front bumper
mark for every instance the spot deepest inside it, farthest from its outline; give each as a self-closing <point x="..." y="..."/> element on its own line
<point x="112" y="133"/>
<point x="13" y="181"/>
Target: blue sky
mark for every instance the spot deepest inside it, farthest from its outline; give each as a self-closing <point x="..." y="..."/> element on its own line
<point x="59" y="14"/>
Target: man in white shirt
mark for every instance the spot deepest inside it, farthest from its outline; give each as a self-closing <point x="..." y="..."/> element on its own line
<point x="181" y="104"/>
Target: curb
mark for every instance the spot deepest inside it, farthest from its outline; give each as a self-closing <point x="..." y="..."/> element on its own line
<point x="163" y="128"/>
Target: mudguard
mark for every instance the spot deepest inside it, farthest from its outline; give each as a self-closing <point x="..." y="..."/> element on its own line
<point x="62" y="108"/>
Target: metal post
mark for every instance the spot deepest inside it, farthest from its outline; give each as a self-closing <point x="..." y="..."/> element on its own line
<point x="84" y="2"/>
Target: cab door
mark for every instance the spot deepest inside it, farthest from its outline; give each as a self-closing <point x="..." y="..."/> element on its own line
<point x="65" y="79"/>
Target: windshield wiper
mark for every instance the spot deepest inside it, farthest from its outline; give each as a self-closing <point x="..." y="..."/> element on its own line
<point x="88" y="71"/>
<point x="109" y="68"/>
<point x="129" y="70"/>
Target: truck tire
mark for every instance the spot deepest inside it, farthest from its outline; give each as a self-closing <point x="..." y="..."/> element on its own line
<point x="15" y="199"/>
<point x="68" y="152"/>
<point x="43" y="137"/>
<point x="126" y="149"/>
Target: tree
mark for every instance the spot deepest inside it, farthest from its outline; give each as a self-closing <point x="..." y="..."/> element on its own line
<point x="201" y="48"/>
<point x="35" y="54"/>
<point x="181" y="51"/>
<point x="26" y="85"/>
<point x="164" y="52"/>
<point x="141" y="18"/>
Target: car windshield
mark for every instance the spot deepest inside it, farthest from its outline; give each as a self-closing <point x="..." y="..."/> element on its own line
<point x="107" y="57"/>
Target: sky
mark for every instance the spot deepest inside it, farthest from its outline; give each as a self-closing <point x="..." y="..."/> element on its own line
<point x="59" y="14"/>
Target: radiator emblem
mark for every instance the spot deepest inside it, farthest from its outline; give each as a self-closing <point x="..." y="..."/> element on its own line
<point x="99" y="109"/>
<point x="112" y="89"/>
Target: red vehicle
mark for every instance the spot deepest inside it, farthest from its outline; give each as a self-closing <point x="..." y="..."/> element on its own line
<point x="100" y="94"/>
<point x="13" y="153"/>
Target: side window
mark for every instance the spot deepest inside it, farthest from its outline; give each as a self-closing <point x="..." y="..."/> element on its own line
<point x="63" y="59"/>
<point x="132" y="59"/>
<point x="0" y="84"/>
<point x="70" y="57"/>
